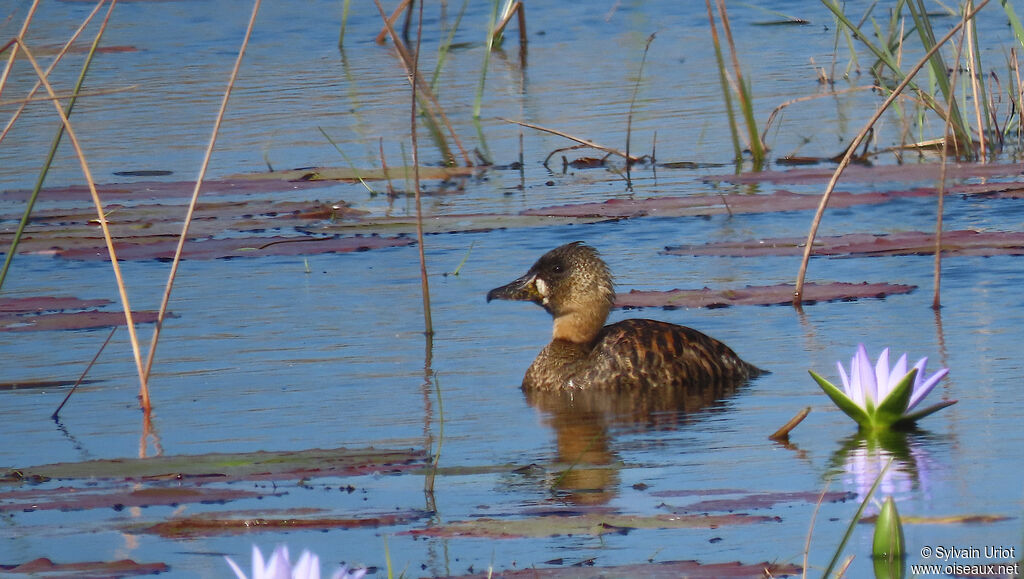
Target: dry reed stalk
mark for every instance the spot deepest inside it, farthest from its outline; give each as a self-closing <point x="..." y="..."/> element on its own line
<point x="383" y="34"/>
<point x="941" y="190"/>
<point x="414" y="81"/>
<point x="434" y="109"/>
<point x="30" y="204"/>
<point x="632" y="104"/>
<point x="583" y="142"/>
<point x="13" y="45"/>
<point x="102" y="220"/>
<point x="808" y="246"/>
<point x="810" y="528"/>
<point x="975" y="96"/>
<point x="60" y="55"/>
<point x="195" y="192"/>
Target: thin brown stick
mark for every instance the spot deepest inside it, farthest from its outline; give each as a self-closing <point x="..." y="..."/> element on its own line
<point x="13" y="44"/>
<point x="56" y="413"/>
<point x="60" y="54"/>
<point x="808" y="246"/>
<point x="434" y="107"/>
<point x="102" y="220"/>
<point x="505" y="19"/>
<point x="810" y="528"/>
<point x="783" y="433"/>
<point x="424" y="283"/>
<point x="585" y="142"/>
<point x="195" y="192"/>
<point x="941" y="190"/>
<point x="383" y="34"/>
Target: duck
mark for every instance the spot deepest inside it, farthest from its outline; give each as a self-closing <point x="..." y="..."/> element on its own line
<point x="574" y="284"/>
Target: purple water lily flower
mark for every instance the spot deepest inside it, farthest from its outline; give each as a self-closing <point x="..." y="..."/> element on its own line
<point x="878" y="397"/>
<point x="279" y="567"/>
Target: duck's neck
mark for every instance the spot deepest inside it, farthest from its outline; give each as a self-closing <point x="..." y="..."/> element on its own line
<point x="580" y="326"/>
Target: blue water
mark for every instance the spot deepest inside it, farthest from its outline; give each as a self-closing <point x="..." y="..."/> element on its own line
<point x="264" y="356"/>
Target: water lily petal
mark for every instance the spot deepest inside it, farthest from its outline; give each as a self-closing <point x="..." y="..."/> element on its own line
<point x="278" y="567"/>
<point x="864" y="376"/>
<point x="234" y="567"/>
<point x="899" y="371"/>
<point x="308" y="566"/>
<point x="848" y="386"/>
<point x="924" y="385"/>
<point x="882" y="376"/>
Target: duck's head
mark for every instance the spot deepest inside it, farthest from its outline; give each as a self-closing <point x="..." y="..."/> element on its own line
<point x="573" y="284"/>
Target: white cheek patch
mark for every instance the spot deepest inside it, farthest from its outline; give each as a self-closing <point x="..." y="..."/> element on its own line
<point x="542" y="289"/>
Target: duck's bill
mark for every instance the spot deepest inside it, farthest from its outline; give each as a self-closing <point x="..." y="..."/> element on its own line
<point x="522" y="289"/>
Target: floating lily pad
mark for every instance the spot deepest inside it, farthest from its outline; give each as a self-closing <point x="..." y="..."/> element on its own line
<point x="77" y="499"/>
<point x="73" y="320"/>
<point x="711" y="204"/>
<point x="658" y="570"/>
<point x="353" y="174"/>
<point x="780" y="294"/>
<point x="41" y="304"/>
<point x="881" y="173"/>
<point x="122" y="568"/>
<point x="163" y="247"/>
<point x="580" y="524"/>
<point x="944" y="520"/>
<point x="220" y="523"/>
<point x="954" y="243"/>
<point x="238" y="466"/>
<point x="40" y="384"/>
<point x="158" y="190"/>
<point x="756" y="501"/>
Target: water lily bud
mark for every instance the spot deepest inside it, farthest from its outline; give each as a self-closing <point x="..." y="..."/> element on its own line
<point x="888" y="542"/>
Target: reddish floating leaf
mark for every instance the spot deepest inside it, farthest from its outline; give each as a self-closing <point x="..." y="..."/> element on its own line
<point x="581" y="524"/>
<point x="46" y="304"/>
<point x="119" y="568"/>
<point x="260" y="465"/>
<point x="220" y="524"/>
<point x="954" y="243"/>
<point x="659" y="570"/>
<point x="142" y="248"/>
<point x="762" y="501"/>
<point x="76" y="499"/>
<point x="153" y="190"/>
<point x="877" y="174"/>
<point x="73" y="320"/>
<point x="712" y="204"/>
<point x="781" y="294"/>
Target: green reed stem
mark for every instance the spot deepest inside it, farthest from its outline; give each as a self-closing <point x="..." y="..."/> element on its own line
<point x="53" y="147"/>
<point x="442" y="52"/>
<point x="856" y="518"/>
<point x="726" y="94"/>
<point x="487" y="59"/>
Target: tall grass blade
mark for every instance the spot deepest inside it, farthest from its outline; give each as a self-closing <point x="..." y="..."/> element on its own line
<point x="857" y="140"/>
<point x="723" y="78"/>
<point x="487" y="60"/>
<point x="855" y="519"/>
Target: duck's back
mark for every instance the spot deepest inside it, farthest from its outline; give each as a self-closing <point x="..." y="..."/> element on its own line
<point x="638" y="354"/>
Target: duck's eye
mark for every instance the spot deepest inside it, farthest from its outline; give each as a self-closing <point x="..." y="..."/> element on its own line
<point x="557" y="268"/>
